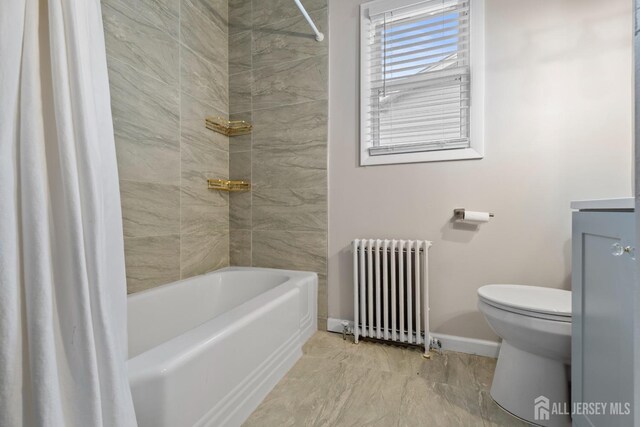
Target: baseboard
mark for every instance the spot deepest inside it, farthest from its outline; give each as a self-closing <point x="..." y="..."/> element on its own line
<point x="336" y="325"/>
<point x="468" y="345"/>
<point x="448" y="342"/>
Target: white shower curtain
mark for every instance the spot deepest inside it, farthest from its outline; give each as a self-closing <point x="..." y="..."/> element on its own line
<point x="62" y="282"/>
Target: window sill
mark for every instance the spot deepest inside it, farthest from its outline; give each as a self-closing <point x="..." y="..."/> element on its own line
<point x="423" y="157"/>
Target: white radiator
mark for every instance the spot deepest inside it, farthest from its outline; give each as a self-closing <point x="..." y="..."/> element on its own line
<point x="391" y="290"/>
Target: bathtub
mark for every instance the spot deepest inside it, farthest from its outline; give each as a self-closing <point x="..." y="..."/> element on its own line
<point x="205" y="351"/>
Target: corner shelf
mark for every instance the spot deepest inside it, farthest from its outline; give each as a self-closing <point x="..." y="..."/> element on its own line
<point x="228" y="185"/>
<point x="228" y="127"/>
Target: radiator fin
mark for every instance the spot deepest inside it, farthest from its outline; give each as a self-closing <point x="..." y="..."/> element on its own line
<point x="391" y="293"/>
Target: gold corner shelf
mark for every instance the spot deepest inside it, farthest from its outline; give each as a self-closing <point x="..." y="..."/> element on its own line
<point x="228" y="127"/>
<point x="228" y="185"/>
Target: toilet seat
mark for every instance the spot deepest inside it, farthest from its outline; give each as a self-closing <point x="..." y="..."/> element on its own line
<point x="532" y="301"/>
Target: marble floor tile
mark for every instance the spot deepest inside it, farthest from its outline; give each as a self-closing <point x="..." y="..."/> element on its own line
<point x="327" y="346"/>
<point x="329" y="393"/>
<point x="338" y="383"/>
<point x="459" y="369"/>
<point x="437" y="404"/>
<point x="494" y="415"/>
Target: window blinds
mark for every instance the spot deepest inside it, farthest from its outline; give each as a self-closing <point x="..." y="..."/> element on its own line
<point x="418" y="78"/>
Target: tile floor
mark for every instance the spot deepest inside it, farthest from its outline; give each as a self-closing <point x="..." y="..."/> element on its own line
<point x="338" y="383"/>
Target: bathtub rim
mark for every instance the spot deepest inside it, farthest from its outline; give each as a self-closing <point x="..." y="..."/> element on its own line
<point x="138" y="294"/>
<point x="161" y="359"/>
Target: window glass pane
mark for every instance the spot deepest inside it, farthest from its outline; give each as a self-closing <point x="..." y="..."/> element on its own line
<point x="419" y="79"/>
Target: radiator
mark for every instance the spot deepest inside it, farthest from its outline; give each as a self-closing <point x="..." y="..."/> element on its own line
<point x="391" y="291"/>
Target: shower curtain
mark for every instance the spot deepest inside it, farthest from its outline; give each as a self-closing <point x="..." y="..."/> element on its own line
<point x="62" y="282"/>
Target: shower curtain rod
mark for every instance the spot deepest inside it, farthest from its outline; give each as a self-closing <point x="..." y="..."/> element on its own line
<point x="319" y="35"/>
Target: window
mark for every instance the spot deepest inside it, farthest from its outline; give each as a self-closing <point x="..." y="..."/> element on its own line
<point x="421" y="81"/>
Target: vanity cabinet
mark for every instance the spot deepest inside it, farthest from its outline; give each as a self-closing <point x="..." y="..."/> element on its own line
<point x="603" y="291"/>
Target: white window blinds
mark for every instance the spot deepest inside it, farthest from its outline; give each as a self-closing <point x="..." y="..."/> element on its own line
<point x="418" y="78"/>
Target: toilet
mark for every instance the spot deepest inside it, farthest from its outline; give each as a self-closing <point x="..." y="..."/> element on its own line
<point x="533" y="370"/>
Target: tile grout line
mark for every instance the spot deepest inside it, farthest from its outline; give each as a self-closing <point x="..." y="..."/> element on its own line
<point x="229" y="118"/>
<point x="279" y="62"/>
<point x="199" y="55"/>
<point x="137" y="70"/>
<point x="229" y="207"/>
<point x="285" y="105"/>
<point x="180" y="124"/>
<point x="178" y="37"/>
<point x="137" y="181"/>
<point x="311" y="12"/>
<point x="251" y="146"/>
<point x="151" y="236"/>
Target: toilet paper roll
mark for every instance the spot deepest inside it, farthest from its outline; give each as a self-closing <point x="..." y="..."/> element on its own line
<point x="477" y="217"/>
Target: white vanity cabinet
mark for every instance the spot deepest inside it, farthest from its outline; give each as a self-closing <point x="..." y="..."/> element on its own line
<point x="604" y="289"/>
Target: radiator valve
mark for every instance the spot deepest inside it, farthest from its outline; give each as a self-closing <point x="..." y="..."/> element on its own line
<point x="345" y="329"/>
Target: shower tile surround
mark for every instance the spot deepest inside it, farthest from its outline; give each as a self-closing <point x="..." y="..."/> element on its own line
<point x="278" y="82"/>
<point x="173" y="62"/>
<point x="168" y="69"/>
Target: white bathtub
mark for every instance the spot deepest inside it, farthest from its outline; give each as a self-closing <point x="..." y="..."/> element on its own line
<point x="205" y="351"/>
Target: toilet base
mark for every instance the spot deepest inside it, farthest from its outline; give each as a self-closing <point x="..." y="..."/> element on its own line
<point x="521" y="377"/>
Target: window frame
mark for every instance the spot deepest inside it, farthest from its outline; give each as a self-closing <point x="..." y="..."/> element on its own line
<point x="476" y="149"/>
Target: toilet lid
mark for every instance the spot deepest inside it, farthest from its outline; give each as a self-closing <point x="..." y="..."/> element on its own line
<point x="529" y="298"/>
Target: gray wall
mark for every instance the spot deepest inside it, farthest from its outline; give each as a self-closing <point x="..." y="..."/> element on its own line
<point x="168" y="69"/>
<point x="278" y="81"/>
<point x="636" y="52"/>
<point x="558" y="128"/>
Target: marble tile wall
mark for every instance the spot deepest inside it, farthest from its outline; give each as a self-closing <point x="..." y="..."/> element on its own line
<point x="168" y="69"/>
<point x="278" y="81"/>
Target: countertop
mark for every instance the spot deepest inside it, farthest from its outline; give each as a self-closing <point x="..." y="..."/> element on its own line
<point x="623" y="203"/>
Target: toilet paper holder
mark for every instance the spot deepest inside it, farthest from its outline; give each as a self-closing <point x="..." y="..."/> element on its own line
<point x="458" y="214"/>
